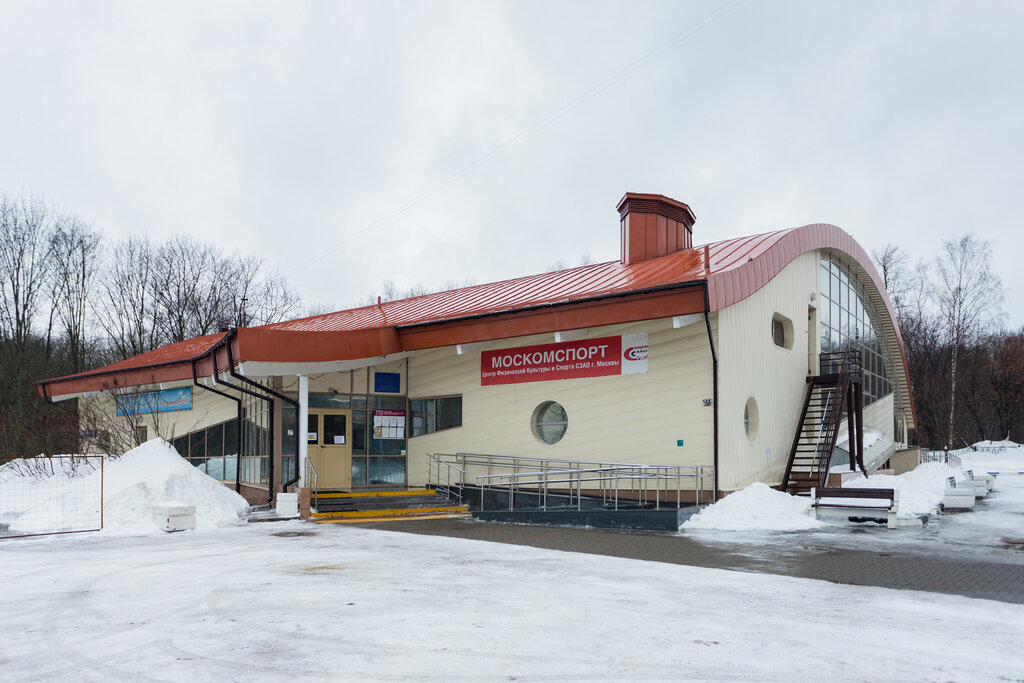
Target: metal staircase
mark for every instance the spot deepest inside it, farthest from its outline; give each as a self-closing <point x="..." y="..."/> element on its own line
<point x="831" y="395"/>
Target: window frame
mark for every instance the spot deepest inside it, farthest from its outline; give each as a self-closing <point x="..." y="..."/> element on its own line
<point x="430" y="417"/>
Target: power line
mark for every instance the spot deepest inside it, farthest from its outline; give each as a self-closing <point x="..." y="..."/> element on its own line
<point x="607" y="83"/>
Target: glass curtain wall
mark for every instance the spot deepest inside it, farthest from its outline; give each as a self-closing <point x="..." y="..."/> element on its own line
<point x="847" y="319"/>
<point x="376" y="460"/>
<point x="255" y="460"/>
<point x="213" y="450"/>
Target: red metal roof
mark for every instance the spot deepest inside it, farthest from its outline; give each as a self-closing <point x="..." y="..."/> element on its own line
<point x="172" y="354"/>
<point x="563" y="286"/>
<point x="577" y="297"/>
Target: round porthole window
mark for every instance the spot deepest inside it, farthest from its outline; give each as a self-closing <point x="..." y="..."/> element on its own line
<point x="750" y="419"/>
<point x="550" y="422"/>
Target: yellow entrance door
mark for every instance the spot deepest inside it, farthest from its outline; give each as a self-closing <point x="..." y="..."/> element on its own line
<point x="329" y="438"/>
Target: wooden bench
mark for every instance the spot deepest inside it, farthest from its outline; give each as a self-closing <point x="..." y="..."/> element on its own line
<point x="859" y="502"/>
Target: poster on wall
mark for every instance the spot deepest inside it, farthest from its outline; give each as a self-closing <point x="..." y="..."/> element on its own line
<point x="623" y="355"/>
<point x="389" y="424"/>
<point x="166" y="401"/>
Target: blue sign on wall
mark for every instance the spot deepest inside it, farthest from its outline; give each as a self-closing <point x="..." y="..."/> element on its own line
<point x="166" y="401"/>
<point x="387" y="383"/>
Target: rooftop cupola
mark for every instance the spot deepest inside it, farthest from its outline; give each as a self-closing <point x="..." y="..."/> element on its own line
<point x="653" y="225"/>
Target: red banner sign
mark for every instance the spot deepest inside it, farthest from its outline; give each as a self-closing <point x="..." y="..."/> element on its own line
<point x="624" y="355"/>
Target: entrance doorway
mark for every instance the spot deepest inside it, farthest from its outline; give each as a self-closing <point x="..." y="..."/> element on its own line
<point x="329" y="439"/>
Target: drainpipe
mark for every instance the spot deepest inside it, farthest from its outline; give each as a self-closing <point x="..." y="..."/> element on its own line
<point x="238" y="421"/>
<point x="714" y="380"/>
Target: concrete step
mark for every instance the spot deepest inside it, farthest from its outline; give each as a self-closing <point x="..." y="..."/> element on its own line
<point x="392" y="513"/>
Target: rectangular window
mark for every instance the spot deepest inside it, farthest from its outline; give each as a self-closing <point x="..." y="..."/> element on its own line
<point x="385" y="444"/>
<point x="358" y="432"/>
<point x="431" y="415"/>
<point x="421" y="411"/>
<point x="231" y="438"/>
<point x="215" y="441"/>
<point x="449" y="412"/>
<point x="382" y="471"/>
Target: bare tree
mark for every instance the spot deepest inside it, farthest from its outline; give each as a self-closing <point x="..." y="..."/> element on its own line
<point x="969" y="297"/>
<point x="125" y="308"/>
<point x="271" y="300"/>
<point x="186" y="289"/>
<point x="891" y="261"/>
<point x="76" y="250"/>
<point x="25" y="228"/>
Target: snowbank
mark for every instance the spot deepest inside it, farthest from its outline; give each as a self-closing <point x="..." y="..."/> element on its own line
<point x="1005" y="443"/>
<point x="132" y="483"/>
<point x="755" y="508"/>
<point x="921" y="489"/>
<point x="994" y="456"/>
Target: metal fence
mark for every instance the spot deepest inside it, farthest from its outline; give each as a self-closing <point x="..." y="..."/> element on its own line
<point x="951" y="458"/>
<point x="60" y="494"/>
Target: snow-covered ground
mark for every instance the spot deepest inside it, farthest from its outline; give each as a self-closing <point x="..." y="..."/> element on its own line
<point x="751" y="524"/>
<point x="331" y="602"/>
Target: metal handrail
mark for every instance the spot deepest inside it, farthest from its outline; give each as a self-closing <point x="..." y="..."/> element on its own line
<point x="313" y="483"/>
<point x="611" y="480"/>
<point x="450" y="489"/>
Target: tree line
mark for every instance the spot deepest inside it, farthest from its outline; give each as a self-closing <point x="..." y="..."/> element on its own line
<point x="966" y="368"/>
<point x="71" y="300"/>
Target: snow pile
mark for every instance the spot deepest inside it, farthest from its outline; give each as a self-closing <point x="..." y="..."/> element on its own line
<point x="1005" y="443"/>
<point x="871" y="437"/>
<point x="155" y="473"/>
<point x="755" y="508"/>
<point x="132" y="484"/>
<point x="921" y="489"/>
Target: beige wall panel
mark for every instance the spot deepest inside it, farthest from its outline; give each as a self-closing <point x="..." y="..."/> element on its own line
<point x="208" y="409"/>
<point x="750" y="364"/>
<point x="322" y="383"/>
<point x="629" y="418"/>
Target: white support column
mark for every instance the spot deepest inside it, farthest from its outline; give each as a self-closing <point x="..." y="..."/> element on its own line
<point x="302" y="426"/>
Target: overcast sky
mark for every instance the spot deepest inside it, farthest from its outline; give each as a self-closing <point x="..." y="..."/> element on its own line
<point x="350" y="143"/>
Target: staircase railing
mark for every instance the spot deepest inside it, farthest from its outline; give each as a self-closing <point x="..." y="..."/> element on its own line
<point x="313" y="482"/>
<point x="546" y="479"/>
<point x="843" y="365"/>
<point x="445" y="476"/>
<point x="849" y="360"/>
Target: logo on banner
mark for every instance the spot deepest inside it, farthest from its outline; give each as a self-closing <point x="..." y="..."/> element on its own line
<point x="635" y="353"/>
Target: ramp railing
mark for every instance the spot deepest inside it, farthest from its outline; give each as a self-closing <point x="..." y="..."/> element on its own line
<point x="554" y="482"/>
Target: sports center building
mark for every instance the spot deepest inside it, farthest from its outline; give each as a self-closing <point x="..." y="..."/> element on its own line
<point x="674" y="354"/>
